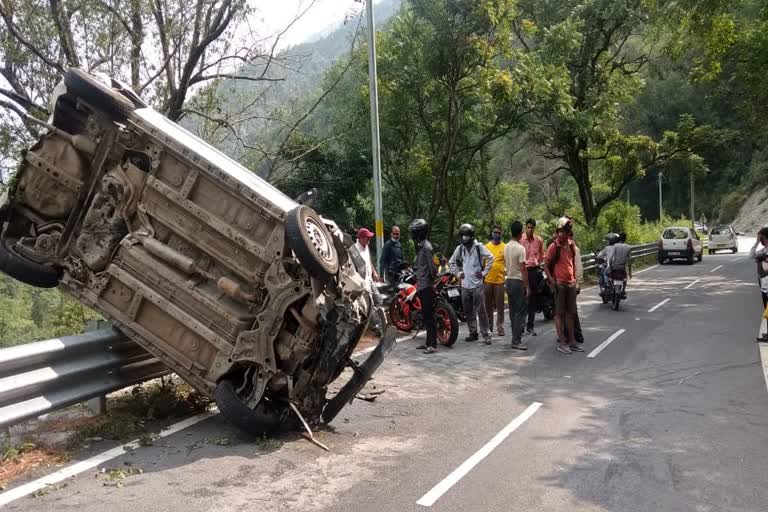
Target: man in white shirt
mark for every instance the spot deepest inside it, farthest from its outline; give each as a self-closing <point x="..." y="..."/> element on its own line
<point x="362" y="245"/>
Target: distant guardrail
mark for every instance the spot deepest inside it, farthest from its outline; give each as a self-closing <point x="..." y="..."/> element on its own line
<point x="638" y="251"/>
<point x="41" y="377"/>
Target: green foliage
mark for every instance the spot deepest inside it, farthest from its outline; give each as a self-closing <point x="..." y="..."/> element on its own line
<point x="31" y="314"/>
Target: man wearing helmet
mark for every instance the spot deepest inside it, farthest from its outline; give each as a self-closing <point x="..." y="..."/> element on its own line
<point x="607" y="255"/>
<point x="561" y="271"/>
<point x="426" y="272"/>
<point x="476" y="261"/>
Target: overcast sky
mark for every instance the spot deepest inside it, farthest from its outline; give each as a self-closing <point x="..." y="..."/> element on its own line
<point x="275" y="15"/>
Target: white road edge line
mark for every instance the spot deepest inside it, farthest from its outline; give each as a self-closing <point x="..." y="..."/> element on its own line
<point x="607" y="342"/>
<point x="657" y="306"/>
<point x="457" y="474"/>
<point x="692" y="284"/>
<point x="716" y="269"/>
<point x="84" y="465"/>
<point x="645" y="270"/>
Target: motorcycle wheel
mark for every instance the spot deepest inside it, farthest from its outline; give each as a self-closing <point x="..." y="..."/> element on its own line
<point x="548" y="312"/>
<point x="447" y="323"/>
<point x="616" y="301"/>
<point x="604" y="296"/>
<point x="399" y="319"/>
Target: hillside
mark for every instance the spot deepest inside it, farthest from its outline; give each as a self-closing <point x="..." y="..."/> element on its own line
<point x="754" y="212"/>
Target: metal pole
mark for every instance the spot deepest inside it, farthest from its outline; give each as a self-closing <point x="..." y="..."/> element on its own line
<point x="661" y="211"/>
<point x="693" y="211"/>
<point x="374" y="93"/>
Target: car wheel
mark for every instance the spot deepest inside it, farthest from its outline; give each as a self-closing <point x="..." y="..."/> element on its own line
<point x="22" y="269"/>
<point x="700" y="256"/>
<point x="711" y="251"/>
<point x="690" y="259"/>
<point x="662" y="260"/>
<point x="266" y="418"/>
<point x="734" y="250"/>
<point x="312" y="243"/>
<point x="81" y="84"/>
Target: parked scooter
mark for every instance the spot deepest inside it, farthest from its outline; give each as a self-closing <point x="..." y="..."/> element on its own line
<point x="404" y="307"/>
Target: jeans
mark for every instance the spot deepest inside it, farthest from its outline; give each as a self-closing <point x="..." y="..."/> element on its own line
<point x="427" y="298"/>
<point x="494" y="299"/>
<point x="533" y="283"/>
<point x="518" y="307"/>
<point x="473" y="302"/>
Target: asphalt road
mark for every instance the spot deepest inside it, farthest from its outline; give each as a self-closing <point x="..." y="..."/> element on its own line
<point x="672" y="415"/>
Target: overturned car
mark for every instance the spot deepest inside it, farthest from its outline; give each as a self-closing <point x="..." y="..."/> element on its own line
<point x="249" y="296"/>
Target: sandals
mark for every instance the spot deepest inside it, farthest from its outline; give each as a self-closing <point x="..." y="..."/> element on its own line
<point x="430" y="350"/>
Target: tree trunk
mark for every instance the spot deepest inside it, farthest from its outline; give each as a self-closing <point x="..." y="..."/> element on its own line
<point x="578" y="166"/>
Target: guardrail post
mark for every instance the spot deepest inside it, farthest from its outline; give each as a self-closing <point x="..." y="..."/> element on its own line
<point x="98" y="405"/>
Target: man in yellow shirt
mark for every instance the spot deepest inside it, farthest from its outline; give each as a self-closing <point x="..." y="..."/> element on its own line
<point x="494" y="281"/>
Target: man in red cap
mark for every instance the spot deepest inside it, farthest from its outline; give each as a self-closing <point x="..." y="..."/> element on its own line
<point x="364" y="236"/>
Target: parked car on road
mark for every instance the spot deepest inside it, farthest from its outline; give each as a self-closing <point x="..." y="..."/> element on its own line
<point x="723" y="238"/>
<point x="250" y="297"/>
<point x="680" y="243"/>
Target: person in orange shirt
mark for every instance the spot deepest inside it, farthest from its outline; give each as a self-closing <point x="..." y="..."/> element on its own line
<point x="534" y="256"/>
<point x="494" y="281"/>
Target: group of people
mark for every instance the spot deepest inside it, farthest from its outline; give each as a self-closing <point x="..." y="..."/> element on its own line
<point x="490" y="271"/>
<point x="759" y="253"/>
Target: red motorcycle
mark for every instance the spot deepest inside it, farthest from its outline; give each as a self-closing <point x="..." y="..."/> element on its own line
<point x="405" y="309"/>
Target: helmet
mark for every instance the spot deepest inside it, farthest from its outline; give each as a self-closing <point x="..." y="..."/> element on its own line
<point x="564" y="224"/>
<point x="419" y="229"/>
<point x="612" y="238"/>
<point x="467" y="234"/>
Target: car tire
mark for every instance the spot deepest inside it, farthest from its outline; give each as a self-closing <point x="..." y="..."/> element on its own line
<point x="711" y="251"/>
<point x="83" y="85"/>
<point x="258" y="422"/>
<point x="700" y="256"/>
<point x="690" y="259"/>
<point x="734" y="250"/>
<point x="22" y="269"/>
<point x="662" y="260"/>
<point x="312" y="243"/>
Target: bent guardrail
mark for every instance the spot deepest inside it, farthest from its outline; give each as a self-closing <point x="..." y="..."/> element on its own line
<point x="41" y="377"/>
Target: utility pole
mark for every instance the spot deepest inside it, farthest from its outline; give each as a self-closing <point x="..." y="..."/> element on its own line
<point x="661" y="210"/>
<point x="693" y="214"/>
<point x="374" y="93"/>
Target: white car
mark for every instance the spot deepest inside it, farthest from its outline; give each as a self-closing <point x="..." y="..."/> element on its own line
<point x="723" y="238"/>
<point x="680" y="243"/>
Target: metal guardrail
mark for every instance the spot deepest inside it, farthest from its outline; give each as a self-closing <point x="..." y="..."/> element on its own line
<point x="638" y="251"/>
<point x="38" y="378"/>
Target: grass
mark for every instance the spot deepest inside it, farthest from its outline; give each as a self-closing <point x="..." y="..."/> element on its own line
<point x="129" y="415"/>
<point x="17" y="460"/>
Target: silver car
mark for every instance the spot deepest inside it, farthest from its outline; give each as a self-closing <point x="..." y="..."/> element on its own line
<point x="250" y="297"/>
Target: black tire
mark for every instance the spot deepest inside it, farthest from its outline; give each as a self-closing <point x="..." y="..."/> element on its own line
<point x="22" y="269"/>
<point x="734" y="250"/>
<point x="690" y="259"/>
<point x="616" y="301"/>
<point x="700" y="256"/>
<point x="662" y="260"/>
<point x="548" y="312"/>
<point x="604" y="297"/>
<point x="711" y="251"/>
<point x="81" y="84"/>
<point x="312" y="243"/>
<point x="264" y="420"/>
<point x="443" y="308"/>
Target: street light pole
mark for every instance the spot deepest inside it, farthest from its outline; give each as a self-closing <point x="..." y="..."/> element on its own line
<point x="693" y="211"/>
<point x="661" y="210"/>
<point x="374" y="94"/>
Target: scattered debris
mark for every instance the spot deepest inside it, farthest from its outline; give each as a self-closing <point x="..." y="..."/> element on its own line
<point x="116" y="476"/>
<point x="370" y="397"/>
<point x="47" y="489"/>
<point x="16" y="460"/>
<point x="309" y="435"/>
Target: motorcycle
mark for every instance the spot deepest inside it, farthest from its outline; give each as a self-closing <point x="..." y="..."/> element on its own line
<point x="405" y="308"/>
<point x="545" y="298"/>
<point x="451" y="292"/>
<point x="613" y="289"/>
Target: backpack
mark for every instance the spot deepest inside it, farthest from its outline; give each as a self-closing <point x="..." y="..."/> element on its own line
<point x="460" y="260"/>
<point x="553" y="261"/>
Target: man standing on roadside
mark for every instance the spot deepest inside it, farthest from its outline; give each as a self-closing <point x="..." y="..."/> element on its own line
<point x="534" y="256"/>
<point x="476" y="262"/>
<point x="392" y="256"/>
<point x="559" y="264"/>
<point x="516" y="284"/>
<point x="362" y="245"/>
<point x="425" y="272"/>
<point x="494" y="281"/>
